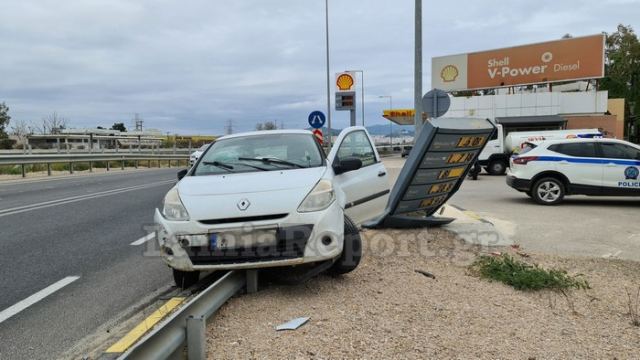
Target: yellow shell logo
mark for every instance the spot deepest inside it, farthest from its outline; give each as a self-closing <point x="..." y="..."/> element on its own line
<point x="449" y="73"/>
<point x="344" y="82"/>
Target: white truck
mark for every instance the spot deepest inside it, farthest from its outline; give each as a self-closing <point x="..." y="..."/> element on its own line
<point x="495" y="156"/>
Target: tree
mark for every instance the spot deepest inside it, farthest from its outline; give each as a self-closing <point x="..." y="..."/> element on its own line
<point x="52" y="124"/>
<point x="4" y="119"/>
<point x="267" y="125"/>
<point x="20" y="129"/>
<point x="119" y="127"/>
<point x="622" y="70"/>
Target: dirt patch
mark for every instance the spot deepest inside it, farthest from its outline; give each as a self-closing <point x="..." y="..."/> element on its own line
<point x="385" y="309"/>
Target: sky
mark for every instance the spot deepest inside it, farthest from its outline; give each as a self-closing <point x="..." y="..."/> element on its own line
<point x="190" y="67"/>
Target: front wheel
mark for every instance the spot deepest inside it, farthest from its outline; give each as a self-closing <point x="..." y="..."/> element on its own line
<point x="185" y="279"/>
<point x="548" y="191"/>
<point x="351" y="250"/>
<point x="497" y="167"/>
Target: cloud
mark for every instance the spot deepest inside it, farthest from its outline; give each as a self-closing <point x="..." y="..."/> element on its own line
<point x="191" y="66"/>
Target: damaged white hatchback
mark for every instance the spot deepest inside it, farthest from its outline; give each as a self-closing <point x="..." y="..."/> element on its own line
<point x="270" y="199"/>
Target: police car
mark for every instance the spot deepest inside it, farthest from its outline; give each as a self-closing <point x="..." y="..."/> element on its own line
<point x="272" y="198"/>
<point x="553" y="169"/>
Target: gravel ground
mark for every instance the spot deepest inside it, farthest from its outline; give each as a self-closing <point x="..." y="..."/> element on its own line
<point x="385" y="309"/>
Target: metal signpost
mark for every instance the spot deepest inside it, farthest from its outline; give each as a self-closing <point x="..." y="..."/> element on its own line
<point x="443" y="153"/>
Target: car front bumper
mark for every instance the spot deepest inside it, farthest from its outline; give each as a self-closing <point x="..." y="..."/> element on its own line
<point x="518" y="184"/>
<point x="301" y="238"/>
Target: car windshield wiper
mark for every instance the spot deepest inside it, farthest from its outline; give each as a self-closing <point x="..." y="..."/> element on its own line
<point x="221" y="165"/>
<point x="268" y="160"/>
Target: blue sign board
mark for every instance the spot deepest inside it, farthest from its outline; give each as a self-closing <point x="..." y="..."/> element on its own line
<point x="317" y="119"/>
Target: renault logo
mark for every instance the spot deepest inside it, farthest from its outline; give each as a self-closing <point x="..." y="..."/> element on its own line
<point x="243" y="204"/>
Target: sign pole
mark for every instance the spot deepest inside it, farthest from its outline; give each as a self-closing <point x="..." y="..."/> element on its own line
<point x="417" y="91"/>
<point x="326" y="7"/>
<point x="353" y="117"/>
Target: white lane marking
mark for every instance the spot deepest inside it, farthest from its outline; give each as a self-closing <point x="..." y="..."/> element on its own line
<point x="18" y="307"/>
<point x="143" y="240"/>
<point x="72" y="199"/>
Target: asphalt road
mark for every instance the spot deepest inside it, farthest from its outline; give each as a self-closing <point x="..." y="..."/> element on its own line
<point x="66" y="261"/>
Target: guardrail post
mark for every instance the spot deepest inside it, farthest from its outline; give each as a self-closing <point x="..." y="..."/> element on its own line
<point x="24" y="171"/>
<point x="70" y="168"/>
<point x="252" y="281"/>
<point x="196" y="330"/>
<point x="122" y="167"/>
<point x="169" y="163"/>
<point x="135" y="163"/>
<point x="108" y="166"/>
<point x="90" y="166"/>
<point x="48" y="169"/>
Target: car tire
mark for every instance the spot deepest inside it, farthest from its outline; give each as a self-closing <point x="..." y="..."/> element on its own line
<point x="548" y="191"/>
<point x="497" y="167"/>
<point x="185" y="279"/>
<point x="351" y="250"/>
<point x="529" y="193"/>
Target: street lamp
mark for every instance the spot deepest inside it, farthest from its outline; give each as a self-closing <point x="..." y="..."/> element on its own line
<point x="326" y="13"/>
<point x="362" y="88"/>
<point x="390" y="122"/>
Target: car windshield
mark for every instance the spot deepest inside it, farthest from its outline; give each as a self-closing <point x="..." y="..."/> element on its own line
<point x="263" y="152"/>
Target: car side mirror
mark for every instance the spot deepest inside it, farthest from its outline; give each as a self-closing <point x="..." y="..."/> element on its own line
<point x="182" y="173"/>
<point x="346" y="165"/>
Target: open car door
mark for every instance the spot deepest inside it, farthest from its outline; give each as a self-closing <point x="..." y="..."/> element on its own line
<point x="366" y="189"/>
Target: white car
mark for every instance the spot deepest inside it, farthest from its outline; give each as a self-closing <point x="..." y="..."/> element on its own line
<point x="272" y="198"/>
<point x="196" y="154"/>
<point x="553" y="169"/>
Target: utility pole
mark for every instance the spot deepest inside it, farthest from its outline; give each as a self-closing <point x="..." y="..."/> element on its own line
<point x="417" y="91"/>
<point x="228" y="129"/>
<point x="138" y="122"/>
<point x="326" y="8"/>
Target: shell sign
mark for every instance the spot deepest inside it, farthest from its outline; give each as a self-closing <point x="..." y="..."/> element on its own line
<point x="345" y="81"/>
<point x="560" y="60"/>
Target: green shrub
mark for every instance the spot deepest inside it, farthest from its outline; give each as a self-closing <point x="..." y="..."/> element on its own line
<point x="523" y="276"/>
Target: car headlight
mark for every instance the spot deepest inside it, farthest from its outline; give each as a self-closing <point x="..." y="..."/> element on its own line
<point x="319" y="198"/>
<point x="172" y="207"/>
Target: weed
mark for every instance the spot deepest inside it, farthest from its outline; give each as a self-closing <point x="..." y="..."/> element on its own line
<point x="523" y="276"/>
<point x="634" y="308"/>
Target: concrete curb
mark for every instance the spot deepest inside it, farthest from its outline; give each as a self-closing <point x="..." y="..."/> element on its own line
<point x="472" y="228"/>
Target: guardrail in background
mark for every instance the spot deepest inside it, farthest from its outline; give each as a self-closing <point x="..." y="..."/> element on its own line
<point x="48" y="159"/>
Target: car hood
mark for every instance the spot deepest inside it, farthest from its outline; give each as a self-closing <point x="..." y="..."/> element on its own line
<point x="267" y="193"/>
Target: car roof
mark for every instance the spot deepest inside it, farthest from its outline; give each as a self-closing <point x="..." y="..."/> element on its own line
<point x="585" y="140"/>
<point x="266" y="132"/>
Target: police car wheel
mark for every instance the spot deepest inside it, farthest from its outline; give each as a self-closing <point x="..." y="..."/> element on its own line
<point x="185" y="279"/>
<point x="351" y="251"/>
<point x="548" y="191"/>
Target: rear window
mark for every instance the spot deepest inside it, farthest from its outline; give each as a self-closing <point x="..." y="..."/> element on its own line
<point x="576" y="149"/>
<point x="620" y="151"/>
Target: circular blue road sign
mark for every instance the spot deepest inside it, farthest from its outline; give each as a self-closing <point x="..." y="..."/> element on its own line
<point x="317" y="119"/>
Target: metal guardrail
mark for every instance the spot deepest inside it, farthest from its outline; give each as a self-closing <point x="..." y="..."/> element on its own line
<point x="187" y="325"/>
<point x="48" y="159"/>
<point x="166" y="151"/>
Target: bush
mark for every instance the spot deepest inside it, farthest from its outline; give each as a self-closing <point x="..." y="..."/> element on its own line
<point x="7" y="144"/>
<point x="523" y="276"/>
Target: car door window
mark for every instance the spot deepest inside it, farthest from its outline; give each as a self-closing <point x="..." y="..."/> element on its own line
<point x="576" y="149"/>
<point x="357" y="144"/>
<point x="620" y="151"/>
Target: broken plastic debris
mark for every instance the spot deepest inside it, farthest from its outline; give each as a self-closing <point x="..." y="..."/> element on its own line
<point x="292" y="324"/>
